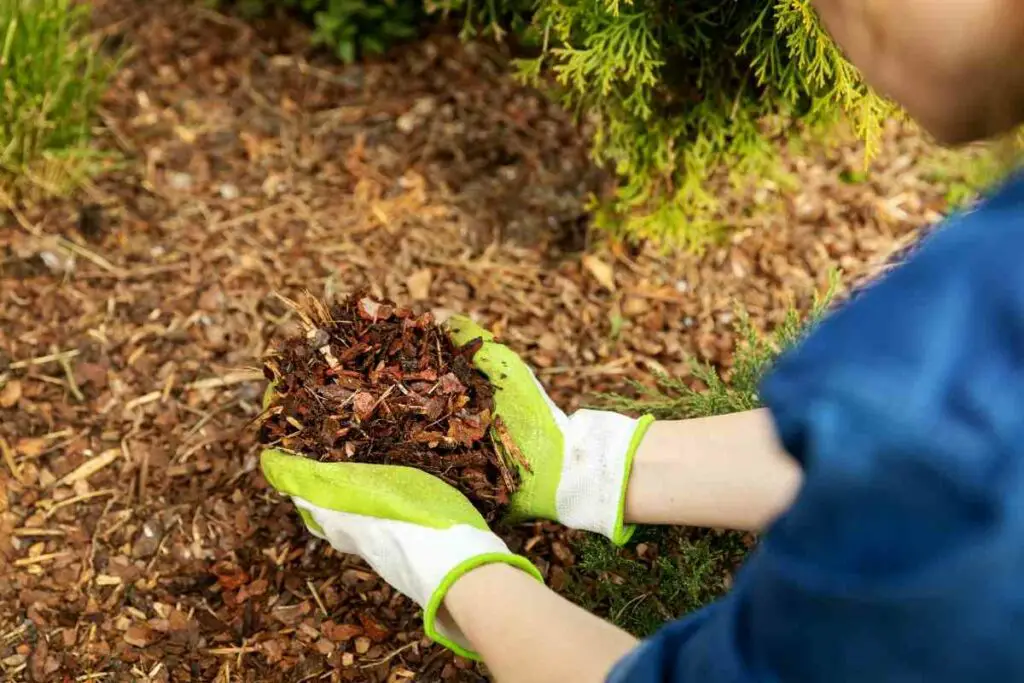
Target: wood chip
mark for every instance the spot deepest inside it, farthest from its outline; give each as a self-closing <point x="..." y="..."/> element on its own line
<point x="601" y="271"/>
<point x="90" y="467"/>
<point x="8" y="457"/>
<point x="419" y="284"/>
<point x="10" y="394"/>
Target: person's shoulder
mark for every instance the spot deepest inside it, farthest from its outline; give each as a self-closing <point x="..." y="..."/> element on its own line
<point x="919" y="346"/>
<point x="964" y="273"/>
<point x="1002" y="206"/>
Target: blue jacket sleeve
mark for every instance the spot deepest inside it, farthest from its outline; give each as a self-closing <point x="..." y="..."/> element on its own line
<point x="902" y="558"/>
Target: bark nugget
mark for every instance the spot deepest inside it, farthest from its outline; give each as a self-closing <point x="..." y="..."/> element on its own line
<point x="372" y="382"/>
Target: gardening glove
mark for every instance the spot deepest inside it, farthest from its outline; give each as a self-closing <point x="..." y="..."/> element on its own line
<point x="417" y="532"/>
<point x="578" y="465"/>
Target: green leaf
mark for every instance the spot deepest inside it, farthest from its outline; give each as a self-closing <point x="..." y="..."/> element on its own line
<point x="373" y="45"/>
<point x="347" y="51"/>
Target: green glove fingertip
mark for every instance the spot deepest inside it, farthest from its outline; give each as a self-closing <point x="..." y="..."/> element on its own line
<point x="463" y="330"/>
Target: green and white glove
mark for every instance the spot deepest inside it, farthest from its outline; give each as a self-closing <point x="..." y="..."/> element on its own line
<point x="579" y="464"/>
<point x="417" y="532"/>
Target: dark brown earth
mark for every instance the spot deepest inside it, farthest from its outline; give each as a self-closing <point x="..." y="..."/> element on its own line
<point x="138" y="540"/>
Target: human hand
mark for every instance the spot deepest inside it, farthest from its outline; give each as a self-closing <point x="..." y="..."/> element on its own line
<point x="578" y="465"/>
<point x="417" y="532"/>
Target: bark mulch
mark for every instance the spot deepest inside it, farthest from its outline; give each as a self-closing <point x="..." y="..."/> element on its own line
<point x="138" y="540"/>
<point x="372" y="382"/>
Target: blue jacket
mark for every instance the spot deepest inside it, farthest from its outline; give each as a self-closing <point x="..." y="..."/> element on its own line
<point x="902" y="558"/>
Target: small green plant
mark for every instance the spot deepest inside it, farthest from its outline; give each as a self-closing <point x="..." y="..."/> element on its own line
<point x="52" y="79"/>
<point x="351" y="29"/>
<point x="966" y="173"/>
<point x="640" y="594"/>
<point x="691" y="566"/>
<point x="364" y="27"/>
<point x="672" y="398"/>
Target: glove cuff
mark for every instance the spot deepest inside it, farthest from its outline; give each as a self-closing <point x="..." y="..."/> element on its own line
<point x="598" y="458"/>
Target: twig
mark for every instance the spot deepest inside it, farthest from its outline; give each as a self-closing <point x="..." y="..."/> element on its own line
<point x="657" y="296"/>
<point x="122" y="141"/>
<point x="232" y="378"/>
<point x="388" y="657"/>
<point x="70" y="375"/>
<point x="143" y="472"/>
<point x="509" y="445"/>
<point x="245" y="218"/>
<point x="8" y="456"/>
<point x="16" y="633"/>
<point x="168" y="385"/>
<point x="145" y="399"/>
<point x="52" y="436"/>
<point x="207" y="417"/>
<point x="43" y="360"/>
<point x="316" y="596"/>
<point x="29" y="532"/>
<point x="163" y="541"/>
<point x="78" y="499"/>
<point x="615" y="367"/>
<point x="88" y="255"/>
<point x="65" y="243"/>
<point x="41" y="559"/>
<point x="89" y="467"/>
<point x="135" y="273"/>
<point x="184" y="455"/>
<point x="123" y="517"/>
<point x="635" y="601"/>
<point x="221" y="651"/>
<point x="25" y="223"/>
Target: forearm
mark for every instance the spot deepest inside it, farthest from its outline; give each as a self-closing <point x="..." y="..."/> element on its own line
<point x="728" y="471"/>
<point x="525" y="632"/>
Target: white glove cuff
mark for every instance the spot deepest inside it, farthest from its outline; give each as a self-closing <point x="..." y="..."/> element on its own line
<point x="599" y="449"/>
<point x="421" y="562"/>
<point x="412" y="558"/>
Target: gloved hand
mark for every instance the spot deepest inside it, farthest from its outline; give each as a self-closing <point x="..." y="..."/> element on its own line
<point x="579" y="464"/>
<point x="417" y="532"/>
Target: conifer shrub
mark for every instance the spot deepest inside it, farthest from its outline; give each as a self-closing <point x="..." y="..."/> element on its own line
<point x="681" y="91"/>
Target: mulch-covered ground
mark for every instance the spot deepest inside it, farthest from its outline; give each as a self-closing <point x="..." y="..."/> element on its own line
<point x="138" y="540"/>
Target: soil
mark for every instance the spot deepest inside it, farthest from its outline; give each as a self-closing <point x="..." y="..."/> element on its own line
<point x="372" y="382"/>
<point x="138" y="539"/>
